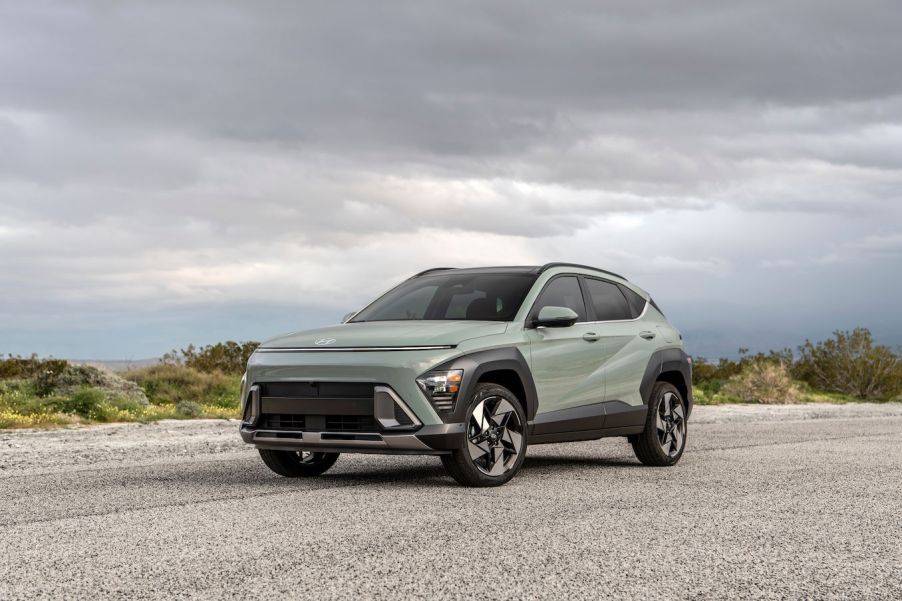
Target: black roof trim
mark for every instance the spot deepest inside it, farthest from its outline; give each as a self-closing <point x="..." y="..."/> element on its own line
<point x="433" y="269"/>
<point x="548" y="266"/>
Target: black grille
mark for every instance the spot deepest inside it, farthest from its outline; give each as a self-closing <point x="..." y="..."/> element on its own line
<point x="284" y="422"/>
<point x="350" y="423"/>
<point x="331" y="407"/>
<point x="309" y="390"/>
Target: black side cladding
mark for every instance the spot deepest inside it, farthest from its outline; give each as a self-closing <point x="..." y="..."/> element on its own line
<point x="476" y="365"/>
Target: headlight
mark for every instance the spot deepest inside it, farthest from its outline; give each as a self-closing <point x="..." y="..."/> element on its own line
<point x="441" y="387"/>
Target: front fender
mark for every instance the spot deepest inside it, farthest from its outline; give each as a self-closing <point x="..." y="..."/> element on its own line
<point x="476" y="365"/>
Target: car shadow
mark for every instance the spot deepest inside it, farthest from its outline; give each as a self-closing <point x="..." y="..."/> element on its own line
<point x="576" y="462"/>
<point x="363" y="474"/>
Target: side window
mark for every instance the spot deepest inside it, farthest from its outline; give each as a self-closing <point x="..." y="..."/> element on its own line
<point x="562" y="292"/>
<point x="608" y="301"/>
<point x="637" y="303"/>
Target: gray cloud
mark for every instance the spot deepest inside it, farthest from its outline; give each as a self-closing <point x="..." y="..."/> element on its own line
<point x="161" y="159"/>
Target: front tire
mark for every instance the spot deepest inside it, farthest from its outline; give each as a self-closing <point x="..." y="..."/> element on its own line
<point x="298" y="464"/>
<point x="662" y="442"/>
<point x="496" y="439"/>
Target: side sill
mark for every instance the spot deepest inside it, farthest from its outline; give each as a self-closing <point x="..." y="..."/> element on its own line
<point x="584" y="435"/>
<point x="595" y="417"/>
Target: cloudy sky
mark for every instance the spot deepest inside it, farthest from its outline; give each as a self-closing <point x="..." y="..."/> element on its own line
<point x="175" y="172"/>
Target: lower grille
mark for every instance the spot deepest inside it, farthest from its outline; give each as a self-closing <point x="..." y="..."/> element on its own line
<point x="332" y="407"/>
<point x="284" y="422"/>
<point x="350" y="423"/>
<point x="329" y="423"/>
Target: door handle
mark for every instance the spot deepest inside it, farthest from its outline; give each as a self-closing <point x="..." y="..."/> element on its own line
<point x="647" y="335"/>
<point x="591" y="337"/>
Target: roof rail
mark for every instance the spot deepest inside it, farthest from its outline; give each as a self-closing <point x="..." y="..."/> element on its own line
<point x="433" y="269"/>
<point x="548" y="266"/>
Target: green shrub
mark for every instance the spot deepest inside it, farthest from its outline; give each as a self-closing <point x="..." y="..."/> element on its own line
<point x="188" y="409"/>
<point x="765" y="381"/>
<point x="168" y="384"/>
<point x="850" y="363"/>
<point x="74" y="378"/>
<point x="90" y="403"/>
<point x="712" y="376"/>
<point x="29" y="367"/>
<point x="17" y="396"/>
<point x="226" y="357"/>
<point x="94" y="404"/>
<point x="705" y="372"/>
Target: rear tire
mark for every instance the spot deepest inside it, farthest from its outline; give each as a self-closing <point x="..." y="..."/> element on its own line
<point x="298" y="464"/>
<point x="495" y="439"/>
<point x="662" y="442"/>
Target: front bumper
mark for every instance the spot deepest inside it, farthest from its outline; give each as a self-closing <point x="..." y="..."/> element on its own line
<point x="340" y="415"/>
<point x="427" y="440"/>
<point x="316" y="394"/>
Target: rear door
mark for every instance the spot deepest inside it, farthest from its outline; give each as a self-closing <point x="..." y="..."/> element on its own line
<point x="629" y="341"/>
<point x="567" y="362"/>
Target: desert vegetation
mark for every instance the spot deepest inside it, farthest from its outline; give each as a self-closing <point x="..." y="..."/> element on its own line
<point x="847" y="367"/>
<point x="204" y="382"/>
<point x="191" y="383"/>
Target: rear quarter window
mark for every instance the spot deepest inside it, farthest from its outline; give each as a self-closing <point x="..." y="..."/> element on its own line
<point x="636" y="302"/>
<point x="608" y="301"/>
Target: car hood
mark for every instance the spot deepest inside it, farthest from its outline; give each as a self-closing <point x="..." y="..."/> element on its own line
<point x="388" y="334"/>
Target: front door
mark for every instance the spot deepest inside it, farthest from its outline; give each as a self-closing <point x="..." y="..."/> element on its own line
<point x="566" y="362"/>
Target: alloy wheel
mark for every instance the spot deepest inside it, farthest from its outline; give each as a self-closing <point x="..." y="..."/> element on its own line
<point x="671" y="424"/>
<point x="494" y="436"/>
<point x="309" y="457"/>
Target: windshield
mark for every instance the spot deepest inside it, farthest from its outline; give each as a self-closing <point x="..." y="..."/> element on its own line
<point x="478" y="297"/>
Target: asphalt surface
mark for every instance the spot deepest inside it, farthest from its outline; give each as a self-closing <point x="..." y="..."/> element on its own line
<point x="786" y="502"/>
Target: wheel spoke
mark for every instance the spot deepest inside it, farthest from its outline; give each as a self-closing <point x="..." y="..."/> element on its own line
<point x="498" y="467"/>
<point x="501" y="412"/>
<point x="494" y="435"/>
<point x="478" y="418"/>
<point x="659" y="423"/>
<point x="514" y="438"/>
<point x="668" y="404"/>
<point x="503" y="420"/>
<point x="477" y="451"/>
<point x="678" y="412"/>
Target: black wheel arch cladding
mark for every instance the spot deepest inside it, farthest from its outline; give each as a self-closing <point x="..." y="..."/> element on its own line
<point x="478" y="364"/>
<point x="671" y="365"/>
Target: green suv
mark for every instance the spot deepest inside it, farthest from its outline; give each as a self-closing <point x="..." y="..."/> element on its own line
<point x="473" y="365"/>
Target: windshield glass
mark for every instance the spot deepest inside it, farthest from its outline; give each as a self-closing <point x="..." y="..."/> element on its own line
<point x="478" y="297"/>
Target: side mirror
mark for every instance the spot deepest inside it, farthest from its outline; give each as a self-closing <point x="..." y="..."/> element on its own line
<point x="348" y="316"/>
<point x="555" y="317"/>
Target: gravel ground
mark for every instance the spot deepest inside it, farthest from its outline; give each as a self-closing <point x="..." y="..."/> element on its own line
<point x="768" y="502"/>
